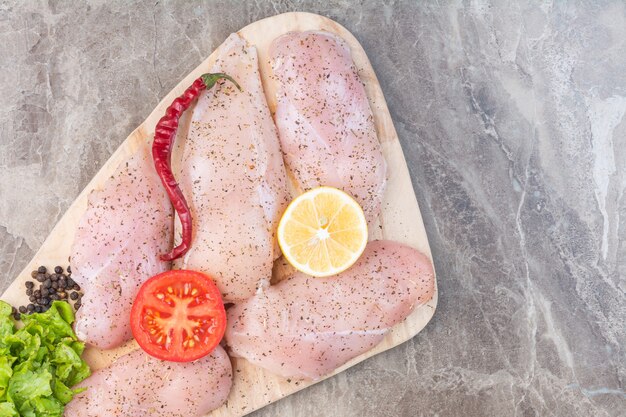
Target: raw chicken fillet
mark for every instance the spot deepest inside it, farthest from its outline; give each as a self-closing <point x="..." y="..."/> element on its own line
<point x="127" y="225"/>
<point x="138" y="385"/>
<point x="305" y="327"/>
<point x="233" y="178"/>
<point x="324" y="120"/>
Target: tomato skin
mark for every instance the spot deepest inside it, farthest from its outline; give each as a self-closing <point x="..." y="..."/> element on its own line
<point x="178" y="316"/>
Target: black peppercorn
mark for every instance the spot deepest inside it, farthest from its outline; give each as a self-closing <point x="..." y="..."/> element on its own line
<point x="58" y="269"/>
<point x="32" y="299"/>
<point x="77" y="305"/>
<point x="37" y="293"/>
<point x="54" y="285"/>
<point x="30" y="308"/>
<point x="63" y="295"/>
<point x="29" y="284"/>
<point x="54" y="297"/>
<point x="54" y="277"/>
<point x="47" y="283"/>
<point x="42" y="269"/>
<point x="22" y="309"/>
<point x="74" y="295"/>
<point x="44" y="292"/>
<point x="41" y="277"/>
<point x="34" y="274"/>
<point x="70" y="282"/>
<point x="17" y="316"/>
<point x="29" y="292"/>
<point x="76" y="287"/>
<point x="38" y="309"/>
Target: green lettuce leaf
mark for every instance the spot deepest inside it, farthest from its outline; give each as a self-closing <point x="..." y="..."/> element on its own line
<point x="62" y="392"/>
<point x="53" y="325"/>
<point x="6" y="324"/>
<point x="5" y="375"/>
<point x="42" y="407"/>
<point x="27" y="384"/>
<point x="8" y="410"/>
<point x="39" y="363"/>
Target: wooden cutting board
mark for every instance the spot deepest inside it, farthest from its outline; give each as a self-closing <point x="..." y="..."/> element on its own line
<point x="400" y="220"/>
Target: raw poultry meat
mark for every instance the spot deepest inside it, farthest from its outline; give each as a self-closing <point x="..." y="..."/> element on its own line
<point x="127" y="225"/>
<point x="305" y="327"/>
<point x="233" y="178"/>
<point x="138" y="385"/>
<point x="324" y="120"/>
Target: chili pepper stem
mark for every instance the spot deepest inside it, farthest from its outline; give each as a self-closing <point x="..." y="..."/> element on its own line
<point x="210" y="80"/>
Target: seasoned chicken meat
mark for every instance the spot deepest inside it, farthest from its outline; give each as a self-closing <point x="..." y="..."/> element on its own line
<point x="305" y="327"/>
<point x="324" y="119"/>
<point x="138" y="385"/>
<point x="127" y="225"/>
<point x="233" y="178"/>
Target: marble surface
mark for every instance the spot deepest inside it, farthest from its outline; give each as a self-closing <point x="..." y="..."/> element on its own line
<point x="512" y="121"/>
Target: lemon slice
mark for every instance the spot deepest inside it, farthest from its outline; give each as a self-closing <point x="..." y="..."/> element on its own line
<point x="323" y="232"/>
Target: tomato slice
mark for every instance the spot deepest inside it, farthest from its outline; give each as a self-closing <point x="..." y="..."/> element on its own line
<point x="178" y="316"/>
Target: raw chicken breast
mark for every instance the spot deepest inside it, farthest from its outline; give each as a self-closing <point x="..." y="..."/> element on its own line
<point x="305" y="327"/>
<point x="138" y="385"/>
<point x="127" y="225"/>
<point x="233" y="178"/>
<point x="324" y="120"/>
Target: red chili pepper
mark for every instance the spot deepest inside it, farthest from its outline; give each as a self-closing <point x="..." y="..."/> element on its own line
<point x="164" y="135"/>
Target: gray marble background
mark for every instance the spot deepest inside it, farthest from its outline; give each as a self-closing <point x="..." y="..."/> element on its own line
<point x="511" y="116"/>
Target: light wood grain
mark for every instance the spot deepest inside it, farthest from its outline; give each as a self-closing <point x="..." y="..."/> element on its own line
<point x="400" y="220"/>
